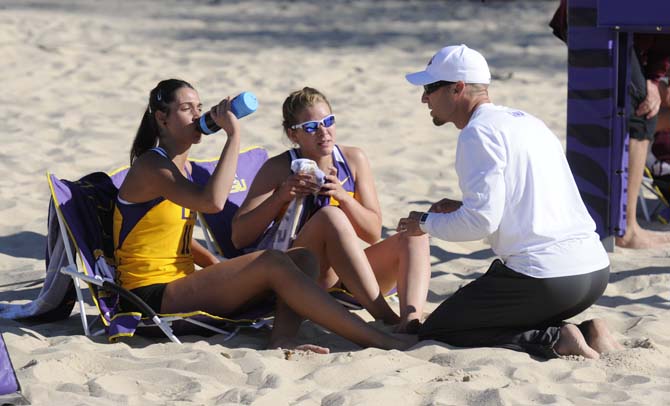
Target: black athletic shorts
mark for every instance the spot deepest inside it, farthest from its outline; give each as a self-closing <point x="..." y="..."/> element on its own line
<point x="151" y="294"/>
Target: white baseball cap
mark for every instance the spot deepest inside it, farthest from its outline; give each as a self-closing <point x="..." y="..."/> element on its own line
<point x="452" y="64"/>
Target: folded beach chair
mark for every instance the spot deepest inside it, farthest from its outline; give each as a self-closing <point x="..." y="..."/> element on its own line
<point x="80" y="223"/>
<point x="659" y="186"/>
<point x="656" y="179"/>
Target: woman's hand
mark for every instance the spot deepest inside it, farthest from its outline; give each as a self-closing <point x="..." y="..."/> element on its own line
<point x="297" y="185"/>
<point x="225" y="118"/>
<point x="410" y="224"/>
<point x="332" y="186"/>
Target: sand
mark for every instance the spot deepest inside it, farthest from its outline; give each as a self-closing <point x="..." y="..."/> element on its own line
<point x="76" y="76"/>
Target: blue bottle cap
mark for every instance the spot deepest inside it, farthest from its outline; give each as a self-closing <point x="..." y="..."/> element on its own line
<point x="244" y="104"/>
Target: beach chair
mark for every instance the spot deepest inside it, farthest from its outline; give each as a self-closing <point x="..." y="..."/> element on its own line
<point x="80" y="226"/>
<point x="84" y="210"/>
<point x="217" y="227"/>
<point x="660" y="188"/>
<point x="656" y="179"/>
<point x="58" y="295"/>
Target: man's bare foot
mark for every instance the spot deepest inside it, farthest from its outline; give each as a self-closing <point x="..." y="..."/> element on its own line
<point x="637" y="237"/>
<point x="572" y="342"/>
<point x="288" y="344"/>
<point x="598" y="336"/>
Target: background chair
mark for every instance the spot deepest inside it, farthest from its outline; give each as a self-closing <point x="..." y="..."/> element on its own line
<point x="217" y="227"/>
<point x="655" y="185"/>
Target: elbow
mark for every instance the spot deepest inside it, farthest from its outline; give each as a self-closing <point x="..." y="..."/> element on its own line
<point x="373" y="237"/>
<point x="219" y="203"/>
<point x="488" y="226"/>
<point x="213" y="202"/>
<point x="214" y="207"/>
<point x="218" y="206"/>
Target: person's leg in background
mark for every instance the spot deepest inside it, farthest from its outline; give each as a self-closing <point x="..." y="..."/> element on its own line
<point x="645" y="103"/>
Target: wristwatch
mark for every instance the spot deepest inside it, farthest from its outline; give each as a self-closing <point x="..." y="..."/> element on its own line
<point x="422" y="221"/>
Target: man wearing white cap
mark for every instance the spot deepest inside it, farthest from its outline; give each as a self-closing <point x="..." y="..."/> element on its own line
<point x="519" y="193"/>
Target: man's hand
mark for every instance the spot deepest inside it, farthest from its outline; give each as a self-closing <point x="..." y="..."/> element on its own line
<point x="650" y="105"/>
<point x="445" y="206"/>
<point x="410" y="224"/>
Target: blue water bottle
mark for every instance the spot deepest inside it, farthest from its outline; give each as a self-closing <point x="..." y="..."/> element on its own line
<point x="242" y="105"/>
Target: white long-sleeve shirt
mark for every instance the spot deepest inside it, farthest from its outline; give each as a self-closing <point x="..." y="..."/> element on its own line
<point x="519" y="192"/>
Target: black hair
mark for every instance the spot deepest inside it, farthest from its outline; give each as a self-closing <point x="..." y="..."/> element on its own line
<point x="159" y="99"/>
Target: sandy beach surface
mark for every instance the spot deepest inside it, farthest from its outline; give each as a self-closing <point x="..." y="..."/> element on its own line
<point x="76" y="75"/>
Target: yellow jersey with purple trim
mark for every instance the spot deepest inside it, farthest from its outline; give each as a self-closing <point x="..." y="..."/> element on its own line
<point x="152" y="242"/>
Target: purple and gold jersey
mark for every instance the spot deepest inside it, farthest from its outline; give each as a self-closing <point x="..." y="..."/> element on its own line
<point x="274" y="236"/>
<point x="344" y="176"/>
<point x="152" y="242"/>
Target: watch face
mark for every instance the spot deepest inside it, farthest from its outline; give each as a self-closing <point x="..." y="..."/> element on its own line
<point x="423" y="218"/>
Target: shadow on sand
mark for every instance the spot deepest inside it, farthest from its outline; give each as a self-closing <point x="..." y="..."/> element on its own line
<point x="26" y="244"/>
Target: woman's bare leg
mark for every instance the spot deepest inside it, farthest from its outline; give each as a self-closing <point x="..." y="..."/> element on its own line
<point x="405" y="261"/>
<point x="330" y="235"/>
<point x="287" y="322"/>
<point x="224" y="287"/>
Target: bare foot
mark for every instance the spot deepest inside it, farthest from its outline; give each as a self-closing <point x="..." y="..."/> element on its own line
<point x="637" y="237"/>
<point x="572" y="342"/>
<point x="291" y="345"/>
<point x="599" y="337"/>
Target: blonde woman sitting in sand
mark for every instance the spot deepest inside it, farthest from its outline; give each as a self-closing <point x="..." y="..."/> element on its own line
<point x="153" y="225"/>
<point x="335" y="216"/>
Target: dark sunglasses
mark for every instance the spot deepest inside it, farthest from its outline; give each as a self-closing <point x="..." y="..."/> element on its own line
<point x="310" y="127"/>
<point x="432" y="87"/>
